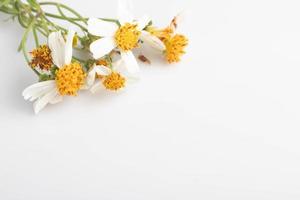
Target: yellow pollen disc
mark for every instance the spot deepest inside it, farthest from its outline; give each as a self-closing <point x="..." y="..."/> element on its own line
<point x="127" y="37"/>
<point x="175" y="48"/>
<point x="114" y="81"/>
<point x="41" y="57"/>
<point x="69" y="79"/>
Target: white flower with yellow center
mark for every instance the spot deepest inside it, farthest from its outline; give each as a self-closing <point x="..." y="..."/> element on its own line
<point x="101" y="76"/>
<point x="174" y="44"/>
<point x="69" y="78"/>
<point x="156" y="38"/>
<point x="124" y="37"/>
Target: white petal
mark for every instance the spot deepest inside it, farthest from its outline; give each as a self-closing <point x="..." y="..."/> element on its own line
<point x="102" y="70"/>
<point x="90" y="78"/>
<point x="69" y="47"/>
<point x="101" y="28"/>
<point x="37" y="90"/>
<point x="97" y="86"/>
<point x="143" y="22"/>
<point x="57" y="45"/>
<point x="130" y="62"/>
<point x="39" y="93"/>
<point x="124" y="11"/>
<point x="153" y="41"/>
<point x="102" y="47"/>
<point x="43" y="101"/>
<point x="58" y="98"/>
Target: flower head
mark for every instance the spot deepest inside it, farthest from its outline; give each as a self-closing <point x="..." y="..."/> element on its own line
<point x="69" y="79"/>
<point x="41" y="57"/>
<point x="69" y="76"/>
<point x="175" y="48"/>
<point x="114" y="81"/>
<point x="127" y="37"/>
<point x="123" y="38"/>
<point x="173" y="43"/>
<point x="109" y="77"/>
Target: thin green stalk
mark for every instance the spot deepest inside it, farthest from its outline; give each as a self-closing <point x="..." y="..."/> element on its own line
<point x="21" y="15"/>
<point x="32" y="18"/>
<point x="25" y="36"/>
<point x="68" y="19"/>
<point x="45" y="25"/>
<point x="111" y="20"/>
<point x="63" y="18"/>
<point x="4" y="3"/>
<point x="48" y="22"/>
<point x="23" y="44"/>
<point x="21" y="21"/>
<point x="8" y="11"/>
<point x="78" y="19"/>
<point x="42" y="31"/>
<point x="36" y="39"/>
<point x="65" y="7"/>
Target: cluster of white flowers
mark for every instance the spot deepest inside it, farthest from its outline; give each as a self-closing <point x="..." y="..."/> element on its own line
<point x="110" y="45"/>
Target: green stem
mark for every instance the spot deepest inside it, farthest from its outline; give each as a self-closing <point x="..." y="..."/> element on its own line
<point x="36" y="39"/>
<point x="42" y="31"/>
<point x="68" y="19"/>
<point x="50" y="23"/>
<point x="4" y="3"/>
<point x="111" y="20"/>
<point x="65" y="7"/>
<point x="78" y="19"/>
<point x="23" y="44"/>
<point x="32" y="18"/>
<point x="25" y="36"/>
<point x="8" y="10"/>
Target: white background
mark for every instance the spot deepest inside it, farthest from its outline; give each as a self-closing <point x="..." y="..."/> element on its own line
<point x="222" y="124"/>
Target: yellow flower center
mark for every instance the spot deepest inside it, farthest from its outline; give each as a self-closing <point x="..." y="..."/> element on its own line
<point x="69" y="79"/>
<point x="41" y="57"/>
<point x="175" y="48"/>
<point x="127" y="37"/>
<point x="114" y="81"/>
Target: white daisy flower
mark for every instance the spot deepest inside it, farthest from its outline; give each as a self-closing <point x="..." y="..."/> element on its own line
<point x="69" y="77"/>
<point x="174" y="43"/>
<point x="101" y="76"/>
<point x="153" y="36"/>
<point x="125" y="38"/>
